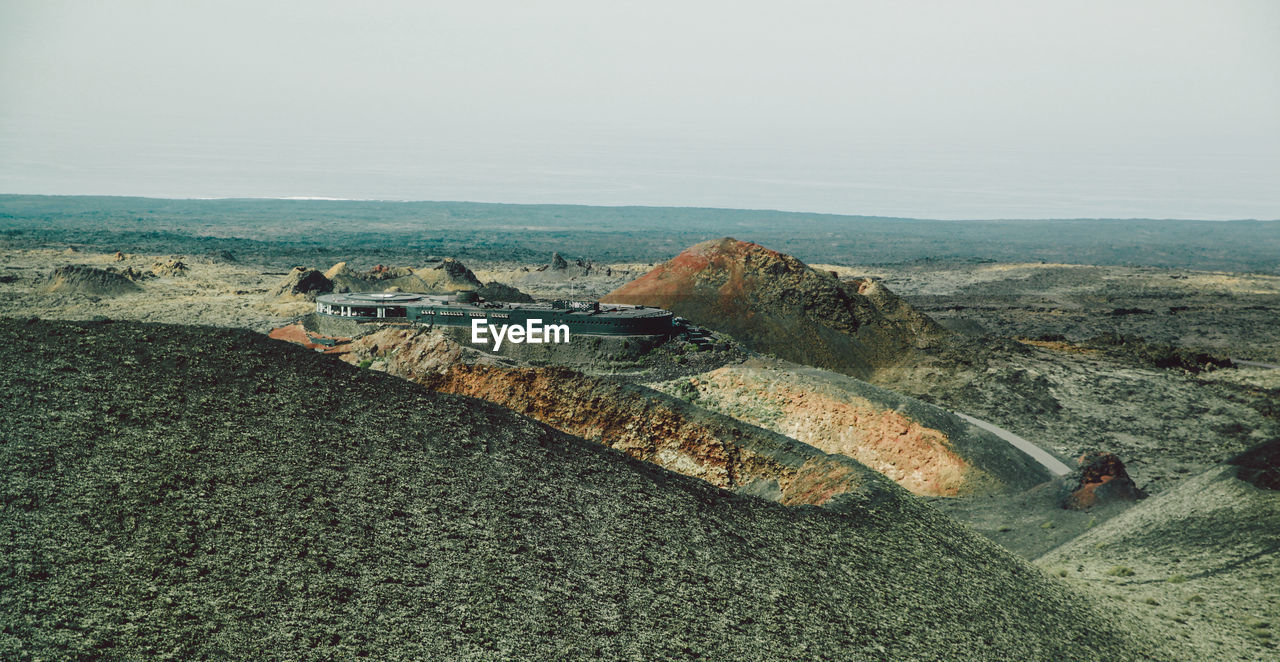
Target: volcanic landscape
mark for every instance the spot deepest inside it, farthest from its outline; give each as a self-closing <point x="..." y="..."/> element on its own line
<point x="1072" y="455"/>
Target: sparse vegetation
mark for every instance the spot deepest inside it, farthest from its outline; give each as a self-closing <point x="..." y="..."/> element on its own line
<point x="1120" y="571"/>
<point x="685" y="390"/>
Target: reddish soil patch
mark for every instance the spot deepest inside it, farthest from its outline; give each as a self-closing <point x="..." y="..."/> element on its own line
<point x="656" y="428"/>
<point x="915" y="456"/>
<point x="297" y="335"/>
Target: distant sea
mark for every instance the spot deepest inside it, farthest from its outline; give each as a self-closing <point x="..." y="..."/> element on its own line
<point x="916" y="182"/>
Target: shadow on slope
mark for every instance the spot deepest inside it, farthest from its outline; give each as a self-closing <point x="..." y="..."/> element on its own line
<point x="1203" y="558"/>
<point x="196" y="492"/>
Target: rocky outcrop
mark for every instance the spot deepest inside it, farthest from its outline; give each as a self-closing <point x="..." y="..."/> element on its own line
<point x="495" y="291"/>
<point x="75" y="279"/>
<point x="1100" y="479"/>
<point x="302" y="283"/>
<point x="132" y="273"/>
<point x="171" y="268"/>
<point x="448" y="275"/>
<point x="777" y="304"/>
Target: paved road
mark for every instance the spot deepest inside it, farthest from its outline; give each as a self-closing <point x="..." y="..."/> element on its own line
<point x="1256" y="364"/>
<point x="1053" y="464"/>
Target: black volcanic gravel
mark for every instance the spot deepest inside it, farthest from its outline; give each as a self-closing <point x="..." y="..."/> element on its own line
<point x="192" y="493"/>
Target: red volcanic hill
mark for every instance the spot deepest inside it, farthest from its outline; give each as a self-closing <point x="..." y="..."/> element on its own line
<point x="777" y="304"/>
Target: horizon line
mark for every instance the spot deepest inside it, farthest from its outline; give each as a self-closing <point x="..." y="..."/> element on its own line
<point x="303" y="198"/>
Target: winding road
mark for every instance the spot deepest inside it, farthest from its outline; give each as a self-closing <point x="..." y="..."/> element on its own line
<point x="1053" y="464"/>
<point x="1256" y="364"/>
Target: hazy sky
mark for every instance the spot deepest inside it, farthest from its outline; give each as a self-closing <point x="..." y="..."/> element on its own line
<point x="975" y="109"/>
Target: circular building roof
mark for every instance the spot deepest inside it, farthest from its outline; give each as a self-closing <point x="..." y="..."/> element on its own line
<point x="385" y="297"/>
<point x="370" y="298"/>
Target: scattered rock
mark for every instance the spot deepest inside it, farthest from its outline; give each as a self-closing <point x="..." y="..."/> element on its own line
<point x="118" y="257"/>
<point x="559" y="270"/>
<point x="169" y="268"/>
<point x="1159" y="355"/>
<point x="134" y="274"/>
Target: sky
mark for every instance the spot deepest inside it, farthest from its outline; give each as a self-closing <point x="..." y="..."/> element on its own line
<point x="976" y="109"/>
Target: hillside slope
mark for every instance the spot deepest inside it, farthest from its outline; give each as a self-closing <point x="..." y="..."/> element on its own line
<point x="190" y="492"/>
<point x="79" y="279"/>
<point x="777" y="304"/>
<point x="643" y="423"/>
<point x="1200" y="561"/>
<point x="924" y="448"/>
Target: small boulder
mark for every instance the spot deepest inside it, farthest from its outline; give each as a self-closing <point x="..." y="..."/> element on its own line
<point x="1099" y="479"/>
